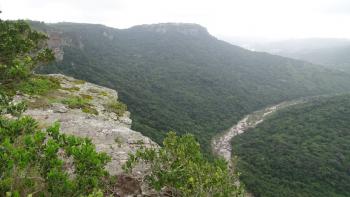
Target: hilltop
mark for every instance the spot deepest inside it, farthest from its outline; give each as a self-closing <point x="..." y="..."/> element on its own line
<point x="185" y="82"/>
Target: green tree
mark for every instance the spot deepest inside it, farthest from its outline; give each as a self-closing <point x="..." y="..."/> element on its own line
<point x="21" y="50"/>
<point x="180" y="169"/>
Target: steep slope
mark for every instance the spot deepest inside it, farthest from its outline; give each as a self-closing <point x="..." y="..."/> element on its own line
<point x="303" y="150"/>
<point x="83" y="109"/>
<point x="221" y="144"/>
<point x="179" y="77"/>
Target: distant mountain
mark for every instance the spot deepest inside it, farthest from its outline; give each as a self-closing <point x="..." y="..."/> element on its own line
<point x="303" y="150"/>
<point x="179" y="77"/>
<point x="334" y="53"/>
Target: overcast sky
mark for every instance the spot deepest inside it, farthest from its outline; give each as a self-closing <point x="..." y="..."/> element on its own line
<point x="279" y="19"/>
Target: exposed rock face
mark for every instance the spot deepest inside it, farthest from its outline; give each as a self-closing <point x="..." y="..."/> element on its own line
<point x="58" y="40"/>
<point x="111" y="133"/>
<point x="182" y="28"/>
<point x="56" y="43"/>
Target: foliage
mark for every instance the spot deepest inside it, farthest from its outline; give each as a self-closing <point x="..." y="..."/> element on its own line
<point x="8" y="107"/>
<point x="182" y="82"/>
<point x="33" y="161"/>
<point x="86" y="96"/>
<point x="79" y="82"/>
<point x="181" y="168"/>
<point x="116" y="107"/>
<point x="90" y="110"/>
<point x="80" y="102"/>
<point x="303" y="150"/>
<point x="37" y="85"/>
<point x="21" y="50"/>
<point x="76" y="102"/>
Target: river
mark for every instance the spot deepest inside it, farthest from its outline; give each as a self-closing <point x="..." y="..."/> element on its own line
<point x="221" y="144"/>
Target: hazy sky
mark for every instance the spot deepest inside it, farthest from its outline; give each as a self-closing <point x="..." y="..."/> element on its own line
<point x="248" y="18"/>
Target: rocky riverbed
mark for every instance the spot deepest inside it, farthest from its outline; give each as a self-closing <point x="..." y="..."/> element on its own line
<point x="221" y="145"/>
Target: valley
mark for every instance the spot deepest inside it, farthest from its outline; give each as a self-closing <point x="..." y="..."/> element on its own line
<point x="178" y="77"/>
<point x="221" y="144"/>
<point x="300" y="150"/>
<point x="175" y="98"/>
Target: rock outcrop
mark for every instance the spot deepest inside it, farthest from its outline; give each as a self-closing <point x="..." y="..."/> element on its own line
<point x="188" y="29"/>
<point x="109" y="131"/>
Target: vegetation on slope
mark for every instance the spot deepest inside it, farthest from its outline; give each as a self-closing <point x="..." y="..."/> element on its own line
<point x="303" y="150"/>
<point x="180" y="78"/>
<point x="21" y="50"/>
<point x="45" y="162"/>
<point x="33" y="161"/>
<point x="182" y="170"/>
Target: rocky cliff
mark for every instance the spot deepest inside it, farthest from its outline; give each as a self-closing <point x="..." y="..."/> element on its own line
<point x="88" y="110"/>
<point x="181" y="28"/>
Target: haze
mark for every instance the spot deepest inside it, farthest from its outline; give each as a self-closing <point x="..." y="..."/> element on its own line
<point x="268" y="19"/>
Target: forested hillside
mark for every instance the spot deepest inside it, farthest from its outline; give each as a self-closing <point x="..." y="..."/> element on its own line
<point x="303" y="150"/>
<point x="65" y="137"/>
<point x="178" y="77"/>
<point x="333" y="53"/>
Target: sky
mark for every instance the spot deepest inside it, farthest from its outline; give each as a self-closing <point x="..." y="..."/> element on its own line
<point x="268" y="19"/>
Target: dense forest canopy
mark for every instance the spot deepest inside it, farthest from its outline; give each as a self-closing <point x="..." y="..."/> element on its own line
<point x="36" y="159"/>
<point x="178" y="77"/>
<point x="303" y="150"/>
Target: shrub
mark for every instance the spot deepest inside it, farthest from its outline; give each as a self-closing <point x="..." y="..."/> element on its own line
<point x="116" y="107"/>
<point x="32" y="160"/>
<point x="86" y="96"/>
<point x="103" y="93"/>
<point x="21" y="50"/>
<point x="76" y="102"/>
<point x="38" y="85"/>
<point x="32" y="163"/>
<point x="6" y="107"/>
<point x="79" y="82"/>
<point x="180" y="168"/>
<point x="90" y="110"/>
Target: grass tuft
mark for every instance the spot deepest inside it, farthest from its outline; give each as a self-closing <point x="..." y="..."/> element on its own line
<point x="103" y="93"/>
<point x="79" y="82"/>
<point x="86" y="96"/>
<point x="76" y="102"/>
<point x="37" y="85"/>
<point x="90" y="110"/>
<point x="116" y="107"/>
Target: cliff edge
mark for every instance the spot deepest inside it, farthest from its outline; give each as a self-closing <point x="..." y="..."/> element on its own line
<point x="88" y="110"/>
